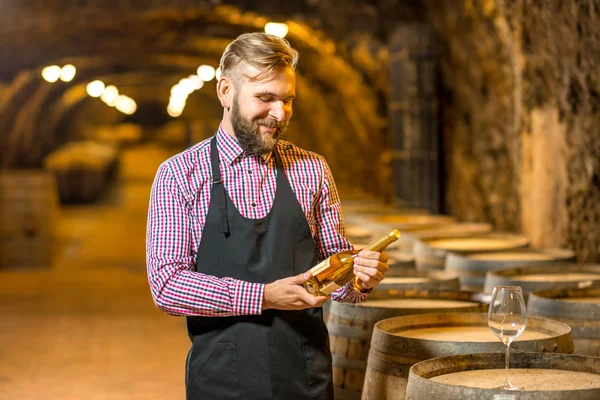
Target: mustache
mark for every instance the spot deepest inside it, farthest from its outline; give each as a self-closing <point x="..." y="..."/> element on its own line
<point x="271" y="123"/>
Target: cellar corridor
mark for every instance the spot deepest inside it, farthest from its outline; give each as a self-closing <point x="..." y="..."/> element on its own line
<point x="87" y="327"/>
<point x="470" y="127"/>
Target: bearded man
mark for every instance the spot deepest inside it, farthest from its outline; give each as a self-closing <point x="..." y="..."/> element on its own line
<point x="234" y="224"/>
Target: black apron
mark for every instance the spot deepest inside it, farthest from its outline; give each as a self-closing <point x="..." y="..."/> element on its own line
<point x="276" y="355"/>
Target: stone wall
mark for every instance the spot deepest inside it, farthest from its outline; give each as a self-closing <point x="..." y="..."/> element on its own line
<point x="521" y="119"/>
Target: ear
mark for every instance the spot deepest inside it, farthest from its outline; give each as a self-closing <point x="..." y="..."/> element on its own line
<point x="225" y="92"/>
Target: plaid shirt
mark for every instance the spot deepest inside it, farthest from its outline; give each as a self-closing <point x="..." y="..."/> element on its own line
<point x="179" y="204"/>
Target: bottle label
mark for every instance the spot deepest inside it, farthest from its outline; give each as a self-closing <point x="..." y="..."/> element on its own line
<point x="320" y="267"/>
<point x="330" y="288"/>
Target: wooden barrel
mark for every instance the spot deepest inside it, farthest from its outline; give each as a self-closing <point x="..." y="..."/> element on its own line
<point x="359" y="233"/>
<point x="404" y="222"/>
<point x="376" y="207"/>
<point x="398" y="343"/>
<point x="82" y="169"/>
<point x="365" y="215"/>
<point x="423" y="280"/>
<point x="350" y="327"/>
<point x="399" y="262"/>
<point x="365" y="206"/>
<point x="579" y="308"/>
<point x="431" y="253"/>
<point x="472" y="267"/>
<point x="544" y="376"/>
<point x="408" y="238"/>
<point x="545" y="277"/>
<point x="28" y="210"/>
<point x="404" y="279"/>
<point x="393" y="247"/>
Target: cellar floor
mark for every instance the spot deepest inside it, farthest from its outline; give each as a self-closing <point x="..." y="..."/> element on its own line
<point x="87" y="328"/>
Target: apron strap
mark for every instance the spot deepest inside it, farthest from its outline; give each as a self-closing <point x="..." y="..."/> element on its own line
<point x="220" y="187"/>
<point x="278" y="162"/>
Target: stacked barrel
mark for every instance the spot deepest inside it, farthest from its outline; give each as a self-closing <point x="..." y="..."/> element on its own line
<point x="426" y="322"/>
<point x="28" y="212"/>
<point x="82" y="169"/>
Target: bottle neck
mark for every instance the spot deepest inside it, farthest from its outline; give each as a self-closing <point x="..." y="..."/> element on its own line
<point x="383" y="242"/>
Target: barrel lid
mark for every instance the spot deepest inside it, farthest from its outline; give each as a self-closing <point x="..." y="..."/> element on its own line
<point x="560" y="303"/>
<point x="558" y="268"/>
<point x="450" y="230"/>
<point x="420" y="385"/>
<point x="529" y="254"/>
<point x="356" y="232"/>
<point x="401" y="335"/>
<point x="494" y="241"/>
<point x="412" y="222"/>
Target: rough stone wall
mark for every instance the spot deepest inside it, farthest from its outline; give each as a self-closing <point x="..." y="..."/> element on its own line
<point x="521" y="122"/>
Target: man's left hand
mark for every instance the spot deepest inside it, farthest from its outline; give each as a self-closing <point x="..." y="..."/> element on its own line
<point x="370" y="268"/>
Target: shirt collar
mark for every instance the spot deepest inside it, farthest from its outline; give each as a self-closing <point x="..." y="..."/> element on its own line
<point x="230" y="150"/>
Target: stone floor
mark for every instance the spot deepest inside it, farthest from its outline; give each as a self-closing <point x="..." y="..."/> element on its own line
<point x="87" y="328"/>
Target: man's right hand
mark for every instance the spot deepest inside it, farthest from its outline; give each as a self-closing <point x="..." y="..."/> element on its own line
<point x="289" y="294"/>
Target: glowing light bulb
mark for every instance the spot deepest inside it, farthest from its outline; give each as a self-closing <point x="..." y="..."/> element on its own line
<point x="109" y="95"/>
<point x="174" y="112"/>
<point x="95" y="88"/>
<point x="277" y="29"/>
<point x="206" y="72"/>
<point x="51" y="73"/>
<point x="67" y="73"/>
<point x="196" y="82"/>
<point x="126" y="105"/>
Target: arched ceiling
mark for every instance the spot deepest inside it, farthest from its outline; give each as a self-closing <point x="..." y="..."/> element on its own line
<point x="145" y="47"/>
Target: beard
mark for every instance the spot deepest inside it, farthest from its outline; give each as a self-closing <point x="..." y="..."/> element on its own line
<point x="248" y="134"/>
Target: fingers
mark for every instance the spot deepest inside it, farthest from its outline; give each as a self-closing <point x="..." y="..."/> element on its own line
<point x="290" y="295"/>
<point x="300" y="279"/>
<point x="373" y="255"/>
<point x="383" y="257"/>
<point x="375" y="263"/>
<point x="303" y="298"/>
<point x="368" y="273"/>
<point x="370" y="267"/>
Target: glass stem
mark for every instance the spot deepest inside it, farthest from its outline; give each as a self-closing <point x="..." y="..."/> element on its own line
<point x="506" y="363"/>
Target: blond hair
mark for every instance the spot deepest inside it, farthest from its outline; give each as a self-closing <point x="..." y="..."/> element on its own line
<point x="262" y="51"/>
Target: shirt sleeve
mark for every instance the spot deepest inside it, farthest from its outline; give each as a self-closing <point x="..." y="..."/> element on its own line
<point x="331" y="232"/>
<point x="175" y="286"/>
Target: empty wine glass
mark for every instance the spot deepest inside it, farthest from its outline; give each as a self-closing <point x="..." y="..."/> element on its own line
<point x="507" y="318"/>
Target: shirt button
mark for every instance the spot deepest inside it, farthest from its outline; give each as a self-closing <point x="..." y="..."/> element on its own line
<point x="253" y="204"/>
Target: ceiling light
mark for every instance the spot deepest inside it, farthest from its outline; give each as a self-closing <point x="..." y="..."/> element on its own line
<point x="109" y="95"/>
<point x="67" y="73"/>
<point x="277" y="29"/>
<point x="95" y="88"/>
<point x="206" y="72"/>
<point x="51" y="73"/>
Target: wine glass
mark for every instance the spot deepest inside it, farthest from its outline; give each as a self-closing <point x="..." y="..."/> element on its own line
<point x="507" y="318"/>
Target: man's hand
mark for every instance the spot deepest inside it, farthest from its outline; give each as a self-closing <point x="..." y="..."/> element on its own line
<point x="370" y="268"/>
<point x="288" y="294"/>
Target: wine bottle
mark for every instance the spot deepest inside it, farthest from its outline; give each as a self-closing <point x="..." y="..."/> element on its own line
<point x="334" y="272"/>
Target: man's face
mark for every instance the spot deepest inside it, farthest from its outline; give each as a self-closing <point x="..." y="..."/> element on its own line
<point x="261" y="110"/>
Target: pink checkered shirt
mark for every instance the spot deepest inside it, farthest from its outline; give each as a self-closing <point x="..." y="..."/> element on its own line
<point x="179" y="204"/>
